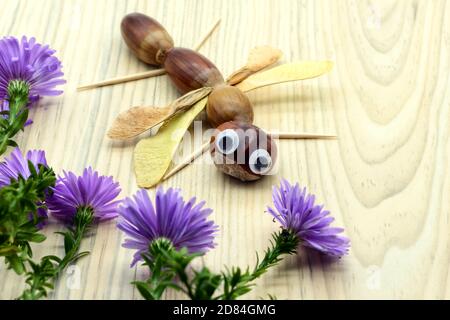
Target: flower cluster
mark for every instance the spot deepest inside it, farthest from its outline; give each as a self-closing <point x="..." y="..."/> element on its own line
<point x="71" y="193"/>
<point x="78" y="201"/>
<point x="169" y="232"/>
<point x="28" y="71"/>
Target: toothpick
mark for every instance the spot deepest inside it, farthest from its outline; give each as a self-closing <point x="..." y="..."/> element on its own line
<point x="206" y="37"/>
<point x="123" y="79"/>
<point x="278" y="135"/>
<point x="145" y="74"/>
<point x="300" y="135"/>
<point x="187" y="161"/>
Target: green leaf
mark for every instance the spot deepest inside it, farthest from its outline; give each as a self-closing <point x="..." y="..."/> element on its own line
<point x="15" y="263"/>
<point x="144" y="290"/>
<point x="37" y="237"/>
<point x="12" y="143"/>
<point x="79" y="256"/>
<point x="54" y="258"/>
<point x="205" y="284"/>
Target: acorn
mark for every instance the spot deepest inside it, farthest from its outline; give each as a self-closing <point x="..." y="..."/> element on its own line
<point x="228" y="103"/>
<point x="190" y="70"/>
<point x="146" y="38"/>
<point x="151" y="43"/>
<point x="243" y="150"/>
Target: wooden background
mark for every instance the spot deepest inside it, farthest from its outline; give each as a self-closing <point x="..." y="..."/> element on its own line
<point x="386" y="180"/>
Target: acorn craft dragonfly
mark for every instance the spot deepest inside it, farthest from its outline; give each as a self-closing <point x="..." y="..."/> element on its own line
<point x="203" y="87"/>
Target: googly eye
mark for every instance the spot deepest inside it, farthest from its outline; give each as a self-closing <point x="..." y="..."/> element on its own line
<point x="260" y="161"/>
<point x="227" y="141"/>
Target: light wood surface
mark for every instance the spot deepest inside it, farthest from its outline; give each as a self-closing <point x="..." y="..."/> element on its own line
<point x="386" y="179"/>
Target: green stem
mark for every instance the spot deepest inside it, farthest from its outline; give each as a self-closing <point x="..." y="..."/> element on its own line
<point x="45" y="274"/>
<point x="83" y="219"/>
<point x="17" y="114"/>
<point x="185" y="281"/>
<point x="284" y="243"/>
<point x="167" y="262"/>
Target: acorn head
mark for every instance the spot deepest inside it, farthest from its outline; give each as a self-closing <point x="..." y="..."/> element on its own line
<point x="146" y="38"/>
<point x="243" y="151"/>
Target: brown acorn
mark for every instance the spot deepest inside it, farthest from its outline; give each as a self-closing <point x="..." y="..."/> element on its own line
<point x="189" y="70"/>
<point x="146" y="38"/>
<point x="243" y="151"/>
<point x="228" y="103"/>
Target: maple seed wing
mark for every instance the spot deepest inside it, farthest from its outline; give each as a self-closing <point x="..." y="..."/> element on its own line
<point x="153" y="155"/>
<point x="286" y="73"/>
<point x="136" y="120"/>
<point x="258" y="59"/>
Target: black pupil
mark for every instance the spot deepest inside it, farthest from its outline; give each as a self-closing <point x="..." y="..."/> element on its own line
<point x="261" y="163"/>
<point x="226" y="142"/>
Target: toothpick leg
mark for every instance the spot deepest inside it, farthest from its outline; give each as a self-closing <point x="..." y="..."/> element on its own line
<point x="278" y="135"/>
<point x="123" y="79"/>
<point x="297" y="135"/>
<point x="187" y="161"/>
<point x="206" y="36"/>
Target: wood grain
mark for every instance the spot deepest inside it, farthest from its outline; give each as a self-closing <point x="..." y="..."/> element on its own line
<point x="386" y="180"/>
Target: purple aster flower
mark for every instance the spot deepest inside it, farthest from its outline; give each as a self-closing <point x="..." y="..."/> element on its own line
<point x="34" y="64"/>
<point x="89" y="191"/>
<point x="171" y="218"/>
<point x="296" y="212"/>
<point x="17" y="165"/>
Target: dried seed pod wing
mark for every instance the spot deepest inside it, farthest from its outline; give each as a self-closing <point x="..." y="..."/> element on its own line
<point x="258" y="59"/>
<point x="137" y="120"/>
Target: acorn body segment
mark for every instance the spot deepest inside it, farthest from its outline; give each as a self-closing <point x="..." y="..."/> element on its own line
<point x="243" y="151"/>
<point x="146" y="38"/>
<point x="190" y="70"/>
<point x="228" y="103"/>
